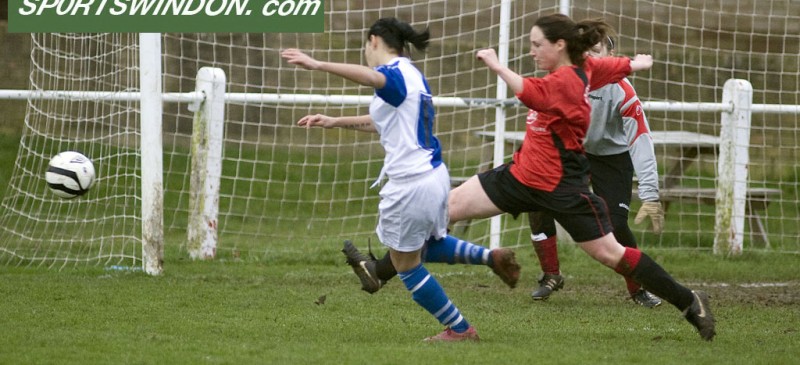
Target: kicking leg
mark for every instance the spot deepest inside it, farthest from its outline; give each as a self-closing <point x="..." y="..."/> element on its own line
<point x="638" y="265"/>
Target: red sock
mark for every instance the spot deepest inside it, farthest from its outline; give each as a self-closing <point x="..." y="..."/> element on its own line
<point x="629" y="261"/>
<point x="633" y="286"/>
<point x="547" y="251"/>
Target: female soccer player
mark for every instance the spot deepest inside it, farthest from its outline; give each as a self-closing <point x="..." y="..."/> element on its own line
<point x="413" y="203"/>
<point x="550" y="171"/>
<point x="617" y="143"/>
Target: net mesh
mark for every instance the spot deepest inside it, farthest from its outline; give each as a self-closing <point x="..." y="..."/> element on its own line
<point x="288" y="188"/>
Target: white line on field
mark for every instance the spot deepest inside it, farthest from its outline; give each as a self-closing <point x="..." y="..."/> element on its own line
<point x="746" y="285"/>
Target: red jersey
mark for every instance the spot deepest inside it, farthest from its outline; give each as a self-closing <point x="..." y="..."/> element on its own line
<point x="558" y="121"/>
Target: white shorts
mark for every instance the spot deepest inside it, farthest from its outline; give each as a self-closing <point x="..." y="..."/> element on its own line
<point x="411" y="210"/>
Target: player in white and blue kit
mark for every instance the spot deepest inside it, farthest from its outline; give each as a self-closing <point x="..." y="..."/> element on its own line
<point x="413" y="206"/>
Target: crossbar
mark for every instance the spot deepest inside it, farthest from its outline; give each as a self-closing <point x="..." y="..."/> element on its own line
<point x="358" y="100"/>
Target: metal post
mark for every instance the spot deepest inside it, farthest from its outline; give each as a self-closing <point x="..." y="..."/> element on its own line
<point x="151" y="149"/>
<point x="495" y="223"/>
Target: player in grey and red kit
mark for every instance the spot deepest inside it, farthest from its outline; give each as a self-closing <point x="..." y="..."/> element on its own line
<point x="617" y="143"/>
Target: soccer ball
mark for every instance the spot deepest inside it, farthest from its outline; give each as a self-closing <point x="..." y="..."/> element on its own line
<point x="70" y="174"/>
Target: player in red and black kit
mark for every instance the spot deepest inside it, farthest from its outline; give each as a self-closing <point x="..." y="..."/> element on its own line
<point x="550" y="172"/>
<point x="617" y="144"/>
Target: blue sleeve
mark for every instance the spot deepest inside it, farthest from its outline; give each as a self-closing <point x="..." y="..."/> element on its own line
<point x="394" y="92"/>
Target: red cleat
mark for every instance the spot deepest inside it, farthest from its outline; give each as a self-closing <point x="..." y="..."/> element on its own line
<point x="452" y="336"/>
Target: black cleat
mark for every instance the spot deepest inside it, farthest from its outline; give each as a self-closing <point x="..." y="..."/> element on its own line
<point x="646" y="299"/>
<point x="548" y="283"/>
<point x="363" y="266"/>
<point x="699" y="315"/>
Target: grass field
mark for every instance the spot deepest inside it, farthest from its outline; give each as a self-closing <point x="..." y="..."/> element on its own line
<point x="296" y="302"/>
<point x="308" y="309"/>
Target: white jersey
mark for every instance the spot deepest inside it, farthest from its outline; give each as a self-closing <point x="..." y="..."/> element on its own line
<point x="402" y="112"/>
<point x="618" y="125"/>
<point x="413" y="203"/>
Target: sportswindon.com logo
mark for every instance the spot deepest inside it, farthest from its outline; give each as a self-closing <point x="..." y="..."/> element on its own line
<point x="297" y="16"/>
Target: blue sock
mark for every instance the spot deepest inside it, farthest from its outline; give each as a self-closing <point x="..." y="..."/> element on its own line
<point x="452" y="250"/>
<point x="427" y="292"/>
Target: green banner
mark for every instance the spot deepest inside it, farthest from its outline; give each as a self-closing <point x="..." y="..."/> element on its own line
<point x="161" y="16"/>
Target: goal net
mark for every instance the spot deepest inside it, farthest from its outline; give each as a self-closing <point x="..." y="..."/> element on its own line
<point x="37" y="227"/>
<point x="289" y="191"/>
<point x="697" y="47"/>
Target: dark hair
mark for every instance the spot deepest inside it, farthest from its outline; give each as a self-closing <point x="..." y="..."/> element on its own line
<point x="580" y="37"/>
<point x="398" y="35"/>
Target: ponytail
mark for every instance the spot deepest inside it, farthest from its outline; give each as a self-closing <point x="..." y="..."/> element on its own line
<point x="398" y="35"/>
<point x="580" y="37"/>
<point x="591" y="32"/>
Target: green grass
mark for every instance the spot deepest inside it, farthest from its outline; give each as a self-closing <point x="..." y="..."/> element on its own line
<point x="230" y="311"/>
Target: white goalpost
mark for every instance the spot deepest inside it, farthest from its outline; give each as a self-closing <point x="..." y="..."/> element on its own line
<point x="197" y="151"/>
<point x="151" y="147"/>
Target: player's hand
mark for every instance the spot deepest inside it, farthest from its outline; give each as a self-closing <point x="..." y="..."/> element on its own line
<point x="296" y="57"/>
<point x="317" y="120"/>
<point x="641" y="62"/>
<point x="488" y="56"/>
<point x="656" y="213"/>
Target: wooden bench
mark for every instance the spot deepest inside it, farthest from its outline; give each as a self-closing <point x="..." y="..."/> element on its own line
<point x="758" y="200"/>
<point x="690" y="146"/>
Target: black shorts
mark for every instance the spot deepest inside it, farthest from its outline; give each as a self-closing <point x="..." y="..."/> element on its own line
<point x="583" y="214"/>
<point x="612" y="180"/>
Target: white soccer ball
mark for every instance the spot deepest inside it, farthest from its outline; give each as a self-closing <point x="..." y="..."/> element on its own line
<point x="70" y="174"/>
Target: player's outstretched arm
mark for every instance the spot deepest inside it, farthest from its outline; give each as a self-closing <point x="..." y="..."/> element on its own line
<point x="360" y="123"/>
<point x="357" y="73"/>
<point x="489" y="57"/>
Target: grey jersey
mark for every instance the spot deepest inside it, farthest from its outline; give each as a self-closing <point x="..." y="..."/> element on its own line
<point x="618" y="125"/>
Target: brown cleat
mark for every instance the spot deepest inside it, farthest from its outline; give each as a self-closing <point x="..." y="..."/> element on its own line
<point x="505" y="265"/>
